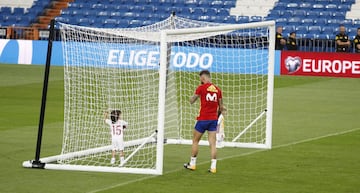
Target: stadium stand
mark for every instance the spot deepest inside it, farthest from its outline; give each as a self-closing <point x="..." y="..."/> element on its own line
<point x="309" y="18"/>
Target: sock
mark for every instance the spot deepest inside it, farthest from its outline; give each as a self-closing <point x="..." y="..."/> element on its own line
<point x="193" y="161"/>
<point x="213" y="163"/>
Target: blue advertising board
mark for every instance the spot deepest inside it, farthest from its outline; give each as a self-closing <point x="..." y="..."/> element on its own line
<point x="184" y="58"/>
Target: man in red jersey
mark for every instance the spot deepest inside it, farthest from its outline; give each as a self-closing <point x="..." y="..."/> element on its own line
<point x="210" y="101"/>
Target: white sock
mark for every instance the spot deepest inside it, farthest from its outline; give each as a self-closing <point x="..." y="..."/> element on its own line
<point x="192" y="161"/>
<point x="213" y="163"/>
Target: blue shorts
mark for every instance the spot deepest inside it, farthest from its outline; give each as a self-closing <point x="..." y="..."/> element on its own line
<point x="202" y="126"/>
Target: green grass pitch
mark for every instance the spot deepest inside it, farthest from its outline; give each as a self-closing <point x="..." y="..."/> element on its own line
<point x="316" y="144"/>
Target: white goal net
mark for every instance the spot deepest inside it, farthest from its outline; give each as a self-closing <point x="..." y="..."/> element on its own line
<point x="149" y="73"/>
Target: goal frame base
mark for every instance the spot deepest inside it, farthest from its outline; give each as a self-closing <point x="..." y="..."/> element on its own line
<point x="51" y="161"/>
<point x="225" y="143"/>
<point x="51" y="166"/>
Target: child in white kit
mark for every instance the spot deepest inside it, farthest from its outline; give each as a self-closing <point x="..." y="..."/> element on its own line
<point x="117" y="127"/>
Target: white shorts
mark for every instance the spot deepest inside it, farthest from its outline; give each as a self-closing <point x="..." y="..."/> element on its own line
<point x="117" y="144"/>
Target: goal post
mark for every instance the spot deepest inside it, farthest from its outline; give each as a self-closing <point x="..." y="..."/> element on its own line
<point x="149" y="73"/>
<point x="253" y="131"/>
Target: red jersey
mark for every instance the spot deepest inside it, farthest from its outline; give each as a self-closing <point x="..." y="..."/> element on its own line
<point x="209" y="101"/>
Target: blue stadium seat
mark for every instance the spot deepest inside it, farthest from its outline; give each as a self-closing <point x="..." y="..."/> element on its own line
<point x="312" y="35"/>
<point x="243" y="19"/>
<point x="229" y="4"/>
<point x="307" y="21"/>
<point x="62" y="19"/>
<point x="211" y="11"/>
<point x="231" y="19"/>
<point x="191" y="3"/>
<point x="223" y="12"/>
<point x="327" y="30"/>
<point x="305" y="5"/>
<point x="103" y="13"/>
<point x="294" y="20"/>
<point x="281" y="21"/>
<point x="314" y="30"/>
<point x="81" y="21"/>
<point x="275" y="13"/>
<point x="280" y="6"/>
<point x="146" y="22"/>
<point x="333" y="22"/>
<point x="99" y="7"/>
<point x="115" y="14"/>
<point x="268" y="18"/>
<point x="343" y="7"/>
<point x="203" y="18"/>
<point x="347" y="22"/>
<point x="85" y="6"/>
<point x="76" y="13"/>
<point x="123" y="23"/>
<point x="287" y="13"/>
<point x="312" y="14"/>
<point x="301" y="29"/>
<point x="352" y="30"/>
<point x="216" y="19"/>
<point x="348" y="2"/>
<point x="6" y="11"/>
<point x="89" y="13"/>
<point x="325" y="14"/>
<point x="356" y="21"/>
<point x="301" y="35"/>
<point x="331" y="7"/>
<point x="338" y="15"/>
<point x="10" y="19"/>
<point x="135" y="8"/>
<point x="299" y="13"/>
<point x="322" y="36"/>
<point x="217" y="4"/>
<point x="21" y="24"/>
<point x="18" y="11"/>
<point x="121" y="8"/>
<point x="112" y="21"/>
<point x="255" y="18"/>
<point x="318" y="7"/>
<point x="135" y="23"/>
<point x="148" y="9"/>
<point x="92" y="1"/>
<point x="292" y="6"/>
<point x="320" y="21"/>
<point x="74" y="5"/>
<point x="110" y="25"/>
<point x="289" y="28"/>
<point x="197" y="11"/>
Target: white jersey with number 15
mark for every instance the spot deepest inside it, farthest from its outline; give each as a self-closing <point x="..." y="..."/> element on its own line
<point x="116" y="129"/>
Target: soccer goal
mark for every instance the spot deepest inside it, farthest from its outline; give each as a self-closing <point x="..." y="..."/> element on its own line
<point x="149" y="73"/>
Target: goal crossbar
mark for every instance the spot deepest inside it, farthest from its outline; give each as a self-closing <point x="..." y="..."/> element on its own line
<point x="231" y="27"/>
